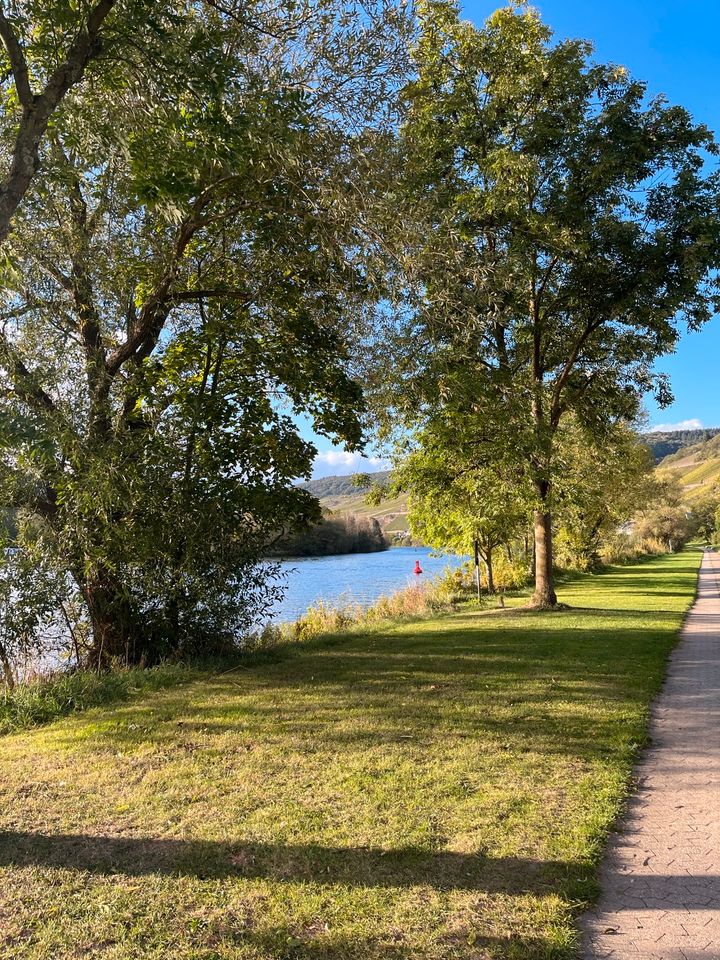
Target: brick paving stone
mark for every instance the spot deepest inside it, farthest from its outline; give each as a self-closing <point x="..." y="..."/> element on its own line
<point x="661" y="874"/>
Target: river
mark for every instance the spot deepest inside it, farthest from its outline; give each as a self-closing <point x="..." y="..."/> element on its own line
<point x="354" y="577"/>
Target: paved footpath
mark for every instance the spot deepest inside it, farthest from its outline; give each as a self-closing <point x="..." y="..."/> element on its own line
<point x="661" y="876"/>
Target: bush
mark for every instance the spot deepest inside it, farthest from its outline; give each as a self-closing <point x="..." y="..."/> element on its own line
<point x="509" y="574"/>
<point x="620" y="548"/>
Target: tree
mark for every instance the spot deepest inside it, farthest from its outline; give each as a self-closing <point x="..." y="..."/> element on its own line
<point x="551" y="230"/>
<point x="48" y="49"/>
<point x="334" y="534"/>
<point x="182" y="279"/>
<point x="453" y="505"/>
<point x="703" y="514"/>
<point x="665" y="520"/>
<point x="600" y="485"/>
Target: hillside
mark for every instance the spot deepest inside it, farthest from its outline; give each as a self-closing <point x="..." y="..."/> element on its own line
<point x="683" y="450"/>
<point x="340" y="486"/>
<point x="663" y="445"/>
<point x="696" y="467"/>
<point x="340" y="495"/>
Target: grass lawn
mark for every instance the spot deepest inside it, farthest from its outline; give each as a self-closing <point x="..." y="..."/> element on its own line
<point x="438" y="789"/>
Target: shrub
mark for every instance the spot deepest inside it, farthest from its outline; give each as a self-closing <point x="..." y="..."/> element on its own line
<point x="509" y="574"/>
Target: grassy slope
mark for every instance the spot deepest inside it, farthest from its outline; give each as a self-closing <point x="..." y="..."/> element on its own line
<point x="392" y="513"/>
<point x="697" y="468"/>
<point x="430" y="790"/>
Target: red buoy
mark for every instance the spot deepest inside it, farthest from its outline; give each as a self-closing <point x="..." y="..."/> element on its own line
<point x="418" y="568"/>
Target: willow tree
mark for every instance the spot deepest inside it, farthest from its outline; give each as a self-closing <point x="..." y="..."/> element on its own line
<point x="552" y="230"/>
<point x="180" y="283"/>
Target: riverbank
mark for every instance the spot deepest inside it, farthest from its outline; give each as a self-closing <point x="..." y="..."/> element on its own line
<point x="434" y="789"/>
<point x="355" y="578"/>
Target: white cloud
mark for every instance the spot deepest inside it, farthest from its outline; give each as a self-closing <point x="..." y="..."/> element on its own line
<point x="343" y="463"/>
<point x="693" y="424"/>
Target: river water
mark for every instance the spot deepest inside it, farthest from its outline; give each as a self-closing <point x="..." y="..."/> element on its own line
<point x="355" y="577"/>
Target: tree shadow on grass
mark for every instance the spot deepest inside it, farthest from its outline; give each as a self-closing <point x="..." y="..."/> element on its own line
<point x="299" y="943"/>
<point x="558" y="689"/>
<point x="307" y="863"/>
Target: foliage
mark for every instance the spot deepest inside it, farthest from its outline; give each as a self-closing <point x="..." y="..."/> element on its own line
<point x="664" y="523"/>
<point x="599" y="488"/>
<point x="451" y="505"/>
<point x="551" y="227"/>
<point x="622" y="547"/>
<point x="33" y="596"/>
<point x="47" y="49"/>
<point x="511" y="569"/>
<point x="702" y="517"/>
<point x="183" y="282"/>
<point x="344" y="533"/>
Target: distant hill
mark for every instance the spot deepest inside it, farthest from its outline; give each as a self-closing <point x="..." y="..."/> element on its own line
<point x="341" y="496"/>
<point x="665" y="444"/>
<point x="697" y="467"/>
<point x="341" y="486"/>
<point x="679" y="450"/>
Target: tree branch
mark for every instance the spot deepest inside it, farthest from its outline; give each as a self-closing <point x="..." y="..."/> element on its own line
<point x="18" y="63"/>
<point x="37" y="110"/>
<point x="24" y="381"/>
<point x="555" y="408"/>
<point x="182" y="295"/>
<point x="142" y="338"/>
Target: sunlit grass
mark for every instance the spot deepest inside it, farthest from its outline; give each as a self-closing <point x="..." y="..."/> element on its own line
<point x="46" y="698"/>
<point x="435" y="789"/>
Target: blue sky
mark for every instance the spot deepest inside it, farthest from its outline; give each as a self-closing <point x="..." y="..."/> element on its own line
<point x="673" y="46"/>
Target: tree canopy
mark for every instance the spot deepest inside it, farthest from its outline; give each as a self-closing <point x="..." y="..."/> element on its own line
<point x="553" y="228"/>
<point x="179" y="285"/>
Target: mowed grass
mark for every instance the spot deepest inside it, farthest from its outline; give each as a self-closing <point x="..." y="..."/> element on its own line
<point x="436" y="789"/>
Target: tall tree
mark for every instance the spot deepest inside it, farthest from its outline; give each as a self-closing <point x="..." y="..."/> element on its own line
<point x="552" y="230"/>
<point x="601" y="482"/>
<point x="183" y="278"/>
<point x="455" y="504"/>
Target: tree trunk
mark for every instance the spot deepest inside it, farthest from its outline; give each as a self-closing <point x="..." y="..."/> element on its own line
<point x="113" y="625"/>
<point x="489" y="566"/>
<point x="544" y="595"/>
<point x="7" y="669"/>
